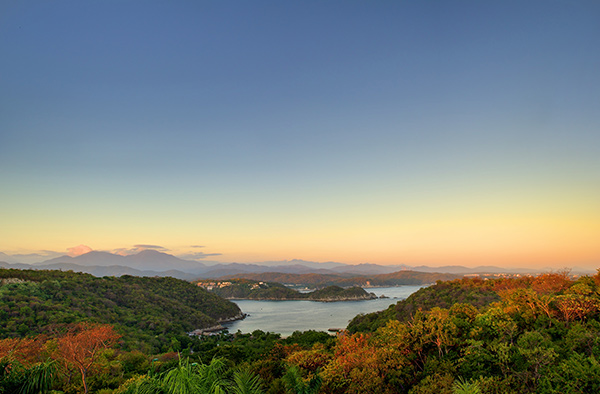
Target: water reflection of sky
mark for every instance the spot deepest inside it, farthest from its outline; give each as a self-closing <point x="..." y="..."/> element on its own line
<point x="285" y="317"/>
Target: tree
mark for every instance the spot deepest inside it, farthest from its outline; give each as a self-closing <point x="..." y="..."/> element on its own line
<point x="461" y="386"/>
<point x="578" y="301"/>
<point x="577" y="374"/>
<point x="82" y="345"/>
<point x="189" y="378"/>
<point x="552" y="283"/>
<point x="16" y="378"/>
<point x="245" y="382"/>
<point x="39" y="378"/>
<point x="434" y="327"/>
<point x="356" y="366"/>
<point x="310" y="360"/>
<point x="296" y="385"/>
<point x="192" y="378"/>
<point x="26" y="350"/>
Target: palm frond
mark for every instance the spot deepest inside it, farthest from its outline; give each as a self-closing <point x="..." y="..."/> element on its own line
<point x="39" y="378"/>
<point x="245" y="382"/>
<point x="462" y="386"/>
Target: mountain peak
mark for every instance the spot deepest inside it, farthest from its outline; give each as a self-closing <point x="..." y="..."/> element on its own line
<point x="152" y="252"/>
<point x="95" y="253"/>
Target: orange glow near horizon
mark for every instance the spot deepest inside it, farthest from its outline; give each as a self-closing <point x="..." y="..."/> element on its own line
<point x="562" y="231"/>
<point x="478" y="146"/>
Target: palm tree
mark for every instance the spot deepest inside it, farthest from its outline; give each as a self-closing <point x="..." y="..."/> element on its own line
<point x="187" y="378"/>
<point x="39" y="378"/>
<point x="296" y="385"/>
<point x="193" y="378"/>
<point x="182" y="379"/>
<point x="461" y="386"/>
<point x="211" y="376"/>
<point x="245" y="382"/>
<point x="16" y="378"/>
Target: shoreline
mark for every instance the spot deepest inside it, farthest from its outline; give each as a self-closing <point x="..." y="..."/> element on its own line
<point x="219" y="327"/>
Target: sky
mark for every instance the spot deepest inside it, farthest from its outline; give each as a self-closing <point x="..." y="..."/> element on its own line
<point x="390" y="132"/>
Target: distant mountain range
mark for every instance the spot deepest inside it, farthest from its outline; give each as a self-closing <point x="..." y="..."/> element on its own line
<point x="144" y="260"/>
<point x="154" y="263"/>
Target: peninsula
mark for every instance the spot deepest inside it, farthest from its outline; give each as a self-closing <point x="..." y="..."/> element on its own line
<point x="257" y="290"/>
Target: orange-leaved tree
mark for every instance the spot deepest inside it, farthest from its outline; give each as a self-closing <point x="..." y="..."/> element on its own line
<point x="356" y="366"/>
<point x="27" y="351"/>
<point x="83" y="343"/>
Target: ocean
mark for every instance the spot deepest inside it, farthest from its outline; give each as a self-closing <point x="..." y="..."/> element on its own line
<point x="285" y="317"/>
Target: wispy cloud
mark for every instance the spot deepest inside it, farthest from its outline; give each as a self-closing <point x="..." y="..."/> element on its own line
<point x="123" y="251"/>
<point x="78" y="250"/>
<point x="144" y="247"/>
<point x="197" y="255"/>
<point x="137" y="249"/>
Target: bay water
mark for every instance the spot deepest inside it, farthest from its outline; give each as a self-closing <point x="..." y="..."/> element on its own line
<point x="285" y="317"/>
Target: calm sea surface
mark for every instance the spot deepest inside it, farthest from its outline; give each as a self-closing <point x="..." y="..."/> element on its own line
<point x="285" y="317"/>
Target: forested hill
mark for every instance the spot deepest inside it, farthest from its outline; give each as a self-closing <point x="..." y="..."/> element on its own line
<point x="322" y="280"/>
<point x="519" y="335"/>
<point x="474" y="292"/>
<point x="143" y="309"/>
<point x="253" y="290"/>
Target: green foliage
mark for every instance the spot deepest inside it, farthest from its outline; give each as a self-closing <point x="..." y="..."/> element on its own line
<point x="461" y="386"/>
<point x="245" y="382"/>
<point x="434" y="383"/>
<point x="237" y="347"/>
<point x="532" y="335"/>
<point x="12" y="376"/>
<point x="148" y="311"/>
<point x="18" y="379"/>
<point x="307" y="339"/>
<point x="253" y="290"/>
<point x="335" y="293"/>
<point x="39" y="378"/>
<point x="442" y="295"/>
<point x="295" y="384"/>
<point x="577" y="374"/>
<point x="584" y="338"/>
<point x="192" y="378"/>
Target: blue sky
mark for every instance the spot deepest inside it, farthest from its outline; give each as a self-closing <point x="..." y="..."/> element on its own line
<point x="350" y="131"/>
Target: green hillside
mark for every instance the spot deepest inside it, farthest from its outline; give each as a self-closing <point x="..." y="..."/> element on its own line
<point x="525" y="335"/>
<point x="440" y="295"/>
<point x="335" y="293"/>
<point x="254" y="290"/>
<point x="145" y="310"/>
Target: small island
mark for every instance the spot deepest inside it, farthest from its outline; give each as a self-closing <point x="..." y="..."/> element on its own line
<point x="244" y="289"/>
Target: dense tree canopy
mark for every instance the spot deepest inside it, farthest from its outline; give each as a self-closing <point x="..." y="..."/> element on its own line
<point x="529" y="335"/>
<point x="255" y="290"/>
<point x="147" y="311"/>
<point x="443" y="295"/>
